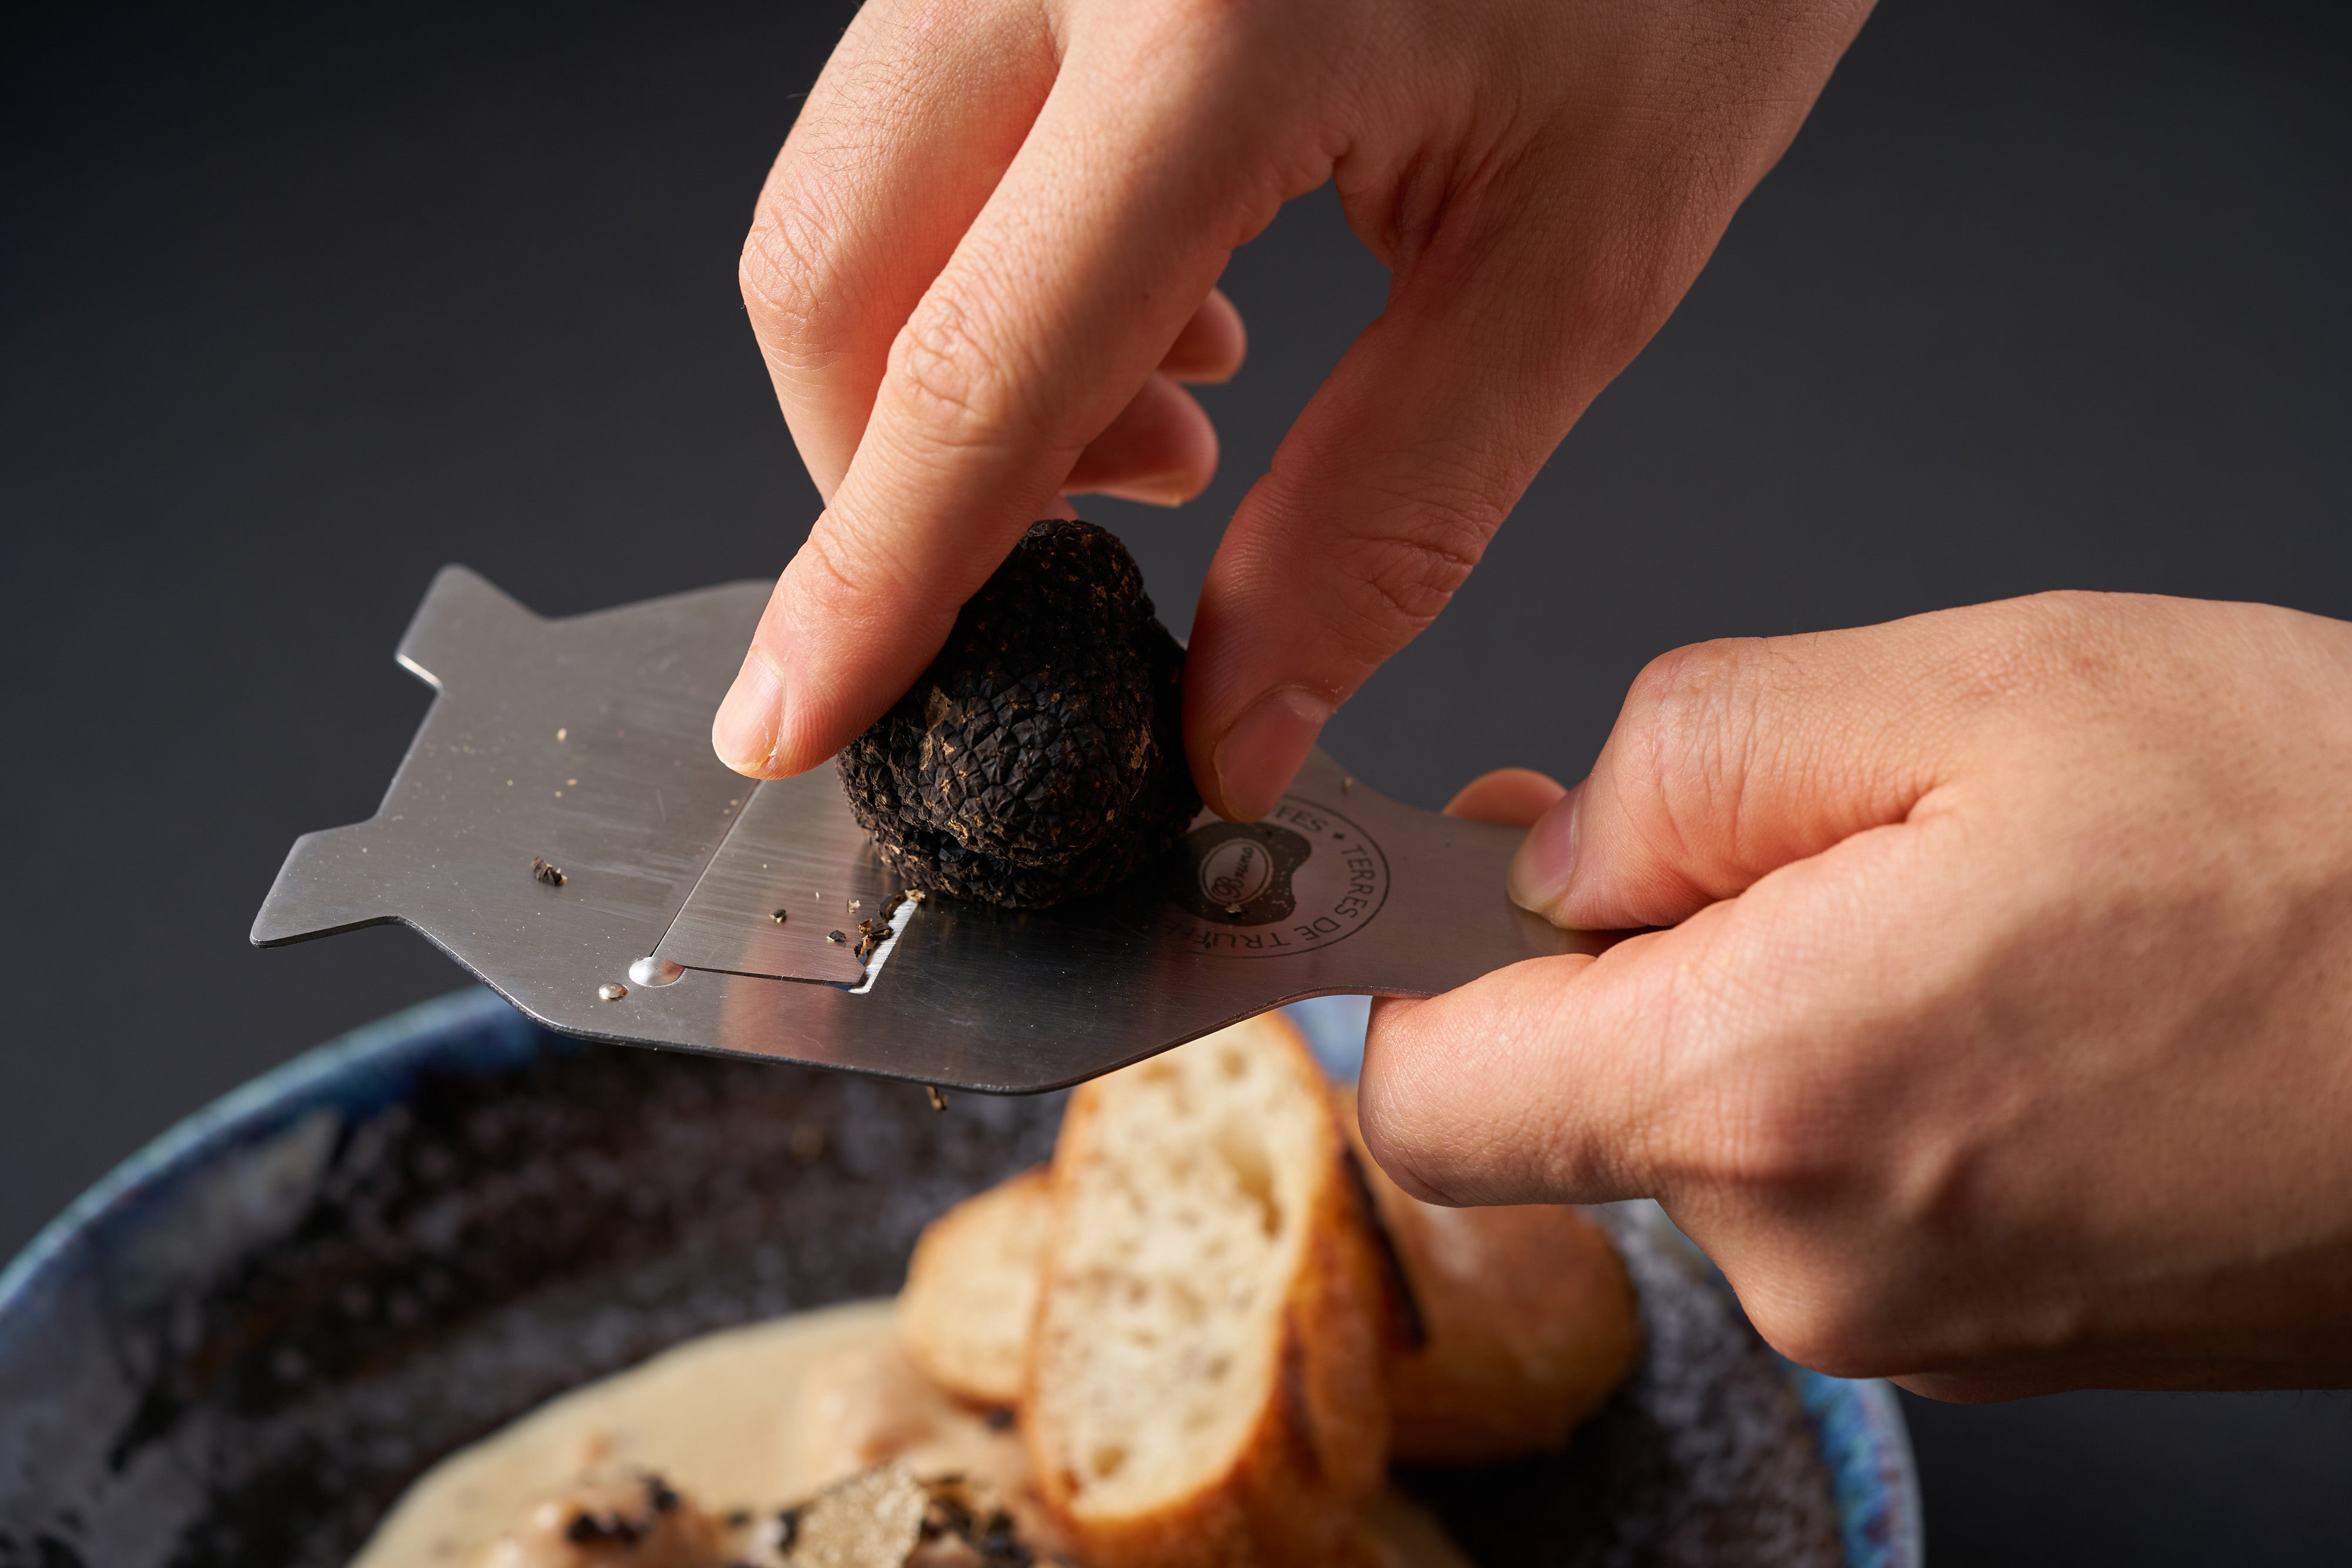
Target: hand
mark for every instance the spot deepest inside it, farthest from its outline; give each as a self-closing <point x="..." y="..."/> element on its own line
<point x="986" y="258"/>
<point x="2002" y="1039"/>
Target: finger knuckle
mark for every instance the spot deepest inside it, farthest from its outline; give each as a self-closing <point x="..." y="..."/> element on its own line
<point x="839" y="580"/>
<point x="1688" y="735"/>
<point x="957" y="384"/>
<point x="786" y="280"/>
<point x="1404" y="581"/>
<point x="1406" y="567"/>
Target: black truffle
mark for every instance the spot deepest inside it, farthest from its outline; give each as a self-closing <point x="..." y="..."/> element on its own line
<point x="1041" y="757"/>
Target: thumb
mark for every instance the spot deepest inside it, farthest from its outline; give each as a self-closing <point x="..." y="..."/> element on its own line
<point x="1733" y="759"/>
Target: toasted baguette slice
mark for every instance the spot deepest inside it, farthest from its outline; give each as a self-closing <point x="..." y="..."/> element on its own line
<point x="1206" y="1376"/>
<point x="1527" y="1323"/>
<point x="972" y="1289"/>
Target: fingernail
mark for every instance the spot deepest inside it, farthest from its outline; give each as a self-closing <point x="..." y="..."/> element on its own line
<point x="1261" y="754"/>
<point x="744" y="731"/>
<point x="1545" y="862"/>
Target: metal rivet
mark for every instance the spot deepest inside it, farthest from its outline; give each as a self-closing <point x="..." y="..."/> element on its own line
<point x="612" y="990"/>
<point x="653" y="971"/>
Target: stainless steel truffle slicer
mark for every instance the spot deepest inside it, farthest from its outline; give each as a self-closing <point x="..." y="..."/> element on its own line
<point x="560" y="828"/>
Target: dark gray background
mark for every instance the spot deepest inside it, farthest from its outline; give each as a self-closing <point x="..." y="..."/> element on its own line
<point x="298" y="304"/>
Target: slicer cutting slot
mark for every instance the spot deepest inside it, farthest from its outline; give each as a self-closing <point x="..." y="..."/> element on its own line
<point x="904" y="913"/>
<point x="794" y="847"/>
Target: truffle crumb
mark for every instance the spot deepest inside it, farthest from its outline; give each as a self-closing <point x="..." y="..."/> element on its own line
<point x="616" y="1520"/>
<point x="1041" y="756"/>
<point x="542" y="872"/>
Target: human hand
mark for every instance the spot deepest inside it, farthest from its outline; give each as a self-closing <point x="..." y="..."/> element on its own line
<point x="2002" y="1039"/>
<point x="986" y="257"/>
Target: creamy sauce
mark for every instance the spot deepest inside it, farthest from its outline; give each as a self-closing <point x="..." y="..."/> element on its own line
<point x="753" y="1419"/>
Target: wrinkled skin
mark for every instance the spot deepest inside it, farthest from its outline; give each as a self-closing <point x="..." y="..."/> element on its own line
<point x="2001" y="1040"/>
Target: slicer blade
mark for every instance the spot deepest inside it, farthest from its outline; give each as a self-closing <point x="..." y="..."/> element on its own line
<point x="562" y="829"/>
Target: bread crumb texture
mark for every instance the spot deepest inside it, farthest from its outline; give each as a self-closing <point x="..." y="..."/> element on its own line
<point x="1206" y="1375"/>
<point x="972" y="1289"/>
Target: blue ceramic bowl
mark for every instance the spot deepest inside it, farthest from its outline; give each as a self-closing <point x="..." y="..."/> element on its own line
<point x="241" y="1345"/>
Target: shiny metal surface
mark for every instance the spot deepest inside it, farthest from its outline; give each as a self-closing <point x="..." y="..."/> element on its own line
<point x="584" y="743"/>
<point x="794" y="850"/>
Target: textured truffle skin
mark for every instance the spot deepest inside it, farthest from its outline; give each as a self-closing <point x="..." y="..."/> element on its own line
<point x="1041" y="757"/>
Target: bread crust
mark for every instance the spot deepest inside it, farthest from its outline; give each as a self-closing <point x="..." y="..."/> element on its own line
<point x="1316" y="1450"/>
<point x="1527" y="1321"/>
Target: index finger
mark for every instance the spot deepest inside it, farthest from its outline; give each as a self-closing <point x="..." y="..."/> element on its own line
<point x="1051" y="315"/>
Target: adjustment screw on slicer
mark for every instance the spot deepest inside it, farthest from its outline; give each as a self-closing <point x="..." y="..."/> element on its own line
<point x="612" y="991"/>
<point x="655" y="971"/>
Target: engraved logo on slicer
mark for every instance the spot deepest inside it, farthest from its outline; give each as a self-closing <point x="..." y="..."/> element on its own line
<point x="1303" y="878"/>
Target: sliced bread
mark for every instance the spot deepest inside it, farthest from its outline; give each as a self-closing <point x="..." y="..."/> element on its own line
<point x="1205" y="1384"/>
<point x="972" y="1289"/>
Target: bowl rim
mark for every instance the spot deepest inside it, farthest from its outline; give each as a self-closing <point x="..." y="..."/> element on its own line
<point x="322" y="1075"/>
